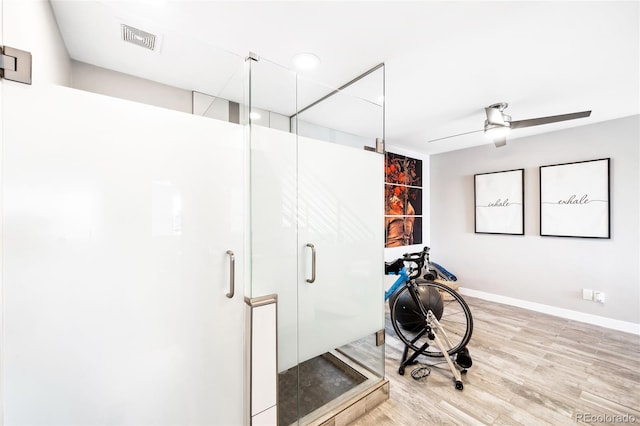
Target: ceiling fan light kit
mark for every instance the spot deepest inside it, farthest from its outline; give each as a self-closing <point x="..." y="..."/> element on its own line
<point x="497" y="132"/>
<point x="498" y="124"/>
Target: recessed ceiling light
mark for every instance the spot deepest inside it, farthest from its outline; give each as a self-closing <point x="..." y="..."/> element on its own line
<point x="306" y="61"/>
<point x="254" y="115"/>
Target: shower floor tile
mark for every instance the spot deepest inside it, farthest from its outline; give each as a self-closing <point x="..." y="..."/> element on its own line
<point x="322" y="379"/>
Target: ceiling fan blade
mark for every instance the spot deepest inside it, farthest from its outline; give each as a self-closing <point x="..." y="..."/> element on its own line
<point x="453" y="136"/>
<point x="547" y="120"/>
<point x="499" y="142"/>
<point x="494" y="116"/>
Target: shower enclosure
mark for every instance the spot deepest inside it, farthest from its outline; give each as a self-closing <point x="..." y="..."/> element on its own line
<point x="137" y="237"/>
<point x="317" y="236"/>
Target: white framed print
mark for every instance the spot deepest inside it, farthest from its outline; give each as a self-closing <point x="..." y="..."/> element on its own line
<point x="575" y="199"/>
<point x="499" y="202"/>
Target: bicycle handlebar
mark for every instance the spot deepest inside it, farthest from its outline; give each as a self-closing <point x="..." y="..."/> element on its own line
<point x="418" y="258"/>
<point x="413" y="257"/>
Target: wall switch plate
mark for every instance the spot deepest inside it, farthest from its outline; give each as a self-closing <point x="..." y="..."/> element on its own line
<point x="598" y="296"/>
<point x="587" y="294"/>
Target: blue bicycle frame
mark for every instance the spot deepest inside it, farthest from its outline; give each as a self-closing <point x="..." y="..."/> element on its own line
<point x="403" y="277"/>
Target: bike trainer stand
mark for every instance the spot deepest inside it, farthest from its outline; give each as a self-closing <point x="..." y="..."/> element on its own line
<point x="432" y="334"/>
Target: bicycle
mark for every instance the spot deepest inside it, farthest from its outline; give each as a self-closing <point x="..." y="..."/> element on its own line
<point x="424" y="312"/>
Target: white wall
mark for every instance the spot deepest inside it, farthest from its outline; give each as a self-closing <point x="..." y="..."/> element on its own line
<point x="111" y="83"/>
<point x="395" y="252"/>
<point x="544" y="270"/>
<point x="30" y="25"/>
<point x="310" y="130"/>
<point x="119" y="85"/>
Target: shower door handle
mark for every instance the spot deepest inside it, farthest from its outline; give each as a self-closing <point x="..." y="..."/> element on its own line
<point x="313" y="263"/>
<point x="232" y="274"/>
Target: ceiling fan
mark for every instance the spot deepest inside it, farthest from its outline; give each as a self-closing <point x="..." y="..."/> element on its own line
<point x="498" y="124"/>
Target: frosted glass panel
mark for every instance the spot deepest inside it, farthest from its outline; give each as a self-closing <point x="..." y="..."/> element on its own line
<point x="340" y="213"/>
<point x="117" y="219"/>
<point x="274" y="231"/>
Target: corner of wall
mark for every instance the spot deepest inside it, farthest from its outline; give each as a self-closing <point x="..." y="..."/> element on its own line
<point x="31" y="26"/>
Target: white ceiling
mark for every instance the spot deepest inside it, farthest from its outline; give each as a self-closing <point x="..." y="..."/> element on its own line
<point x="444" y="61"/>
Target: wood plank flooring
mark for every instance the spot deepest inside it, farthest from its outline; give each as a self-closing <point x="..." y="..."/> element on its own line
<point x="528" y="368"/>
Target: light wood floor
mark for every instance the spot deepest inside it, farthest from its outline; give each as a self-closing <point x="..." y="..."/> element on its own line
<point x="528" y="368"/>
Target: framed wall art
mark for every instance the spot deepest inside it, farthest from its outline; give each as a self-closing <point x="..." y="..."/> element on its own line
<point x="403" y="200"/>
<point x="499" y="202"/>
<point x="574" y="199"/>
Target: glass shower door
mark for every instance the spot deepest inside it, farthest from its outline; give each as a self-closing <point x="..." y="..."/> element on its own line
<point x="123" y="236"/>
<point x="341" y="239"/>
<point x="340" y="293"/>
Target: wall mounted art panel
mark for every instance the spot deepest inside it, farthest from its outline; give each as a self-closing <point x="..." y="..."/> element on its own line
<point x="499" y="202"/>
<point x="574" y="199"/>
<point x="403" y="200"/>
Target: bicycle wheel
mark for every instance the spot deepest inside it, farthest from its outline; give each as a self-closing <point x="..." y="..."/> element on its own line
<point x="450" y="310"/>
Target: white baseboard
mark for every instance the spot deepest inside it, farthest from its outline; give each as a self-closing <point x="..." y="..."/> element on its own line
<point x="614" y="324"/>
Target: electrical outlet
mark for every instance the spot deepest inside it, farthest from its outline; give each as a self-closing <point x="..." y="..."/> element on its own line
<point x="598" y="296"/>
<point x="587" y="294"/>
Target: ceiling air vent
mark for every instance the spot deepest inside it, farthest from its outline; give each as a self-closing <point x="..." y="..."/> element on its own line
<point x="139" y="37"/>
